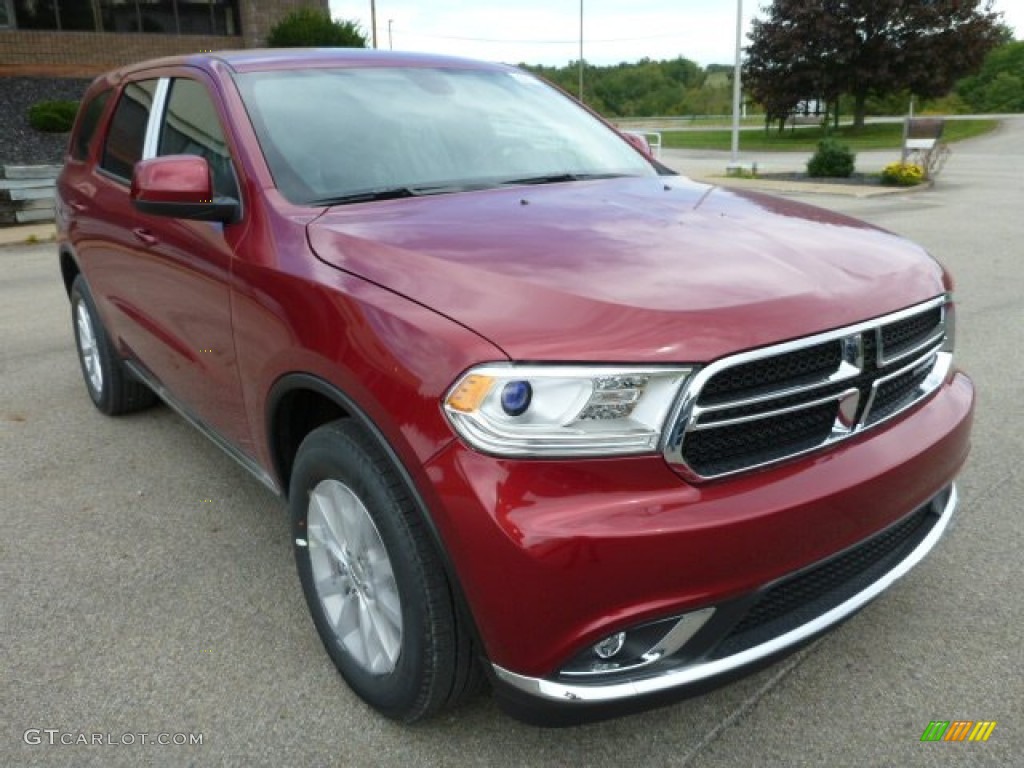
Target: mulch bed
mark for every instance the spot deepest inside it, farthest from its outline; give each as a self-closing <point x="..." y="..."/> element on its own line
<point x="20" y="143"/>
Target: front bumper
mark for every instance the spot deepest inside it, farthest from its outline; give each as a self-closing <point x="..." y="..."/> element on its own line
<point x="941" y="508"/>
<point x="554" y="556"/>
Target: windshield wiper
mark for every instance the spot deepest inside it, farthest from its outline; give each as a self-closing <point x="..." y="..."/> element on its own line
<point x="556" y="178"/>
<point x="367" y="196"/>
<point x="395" y="193"/>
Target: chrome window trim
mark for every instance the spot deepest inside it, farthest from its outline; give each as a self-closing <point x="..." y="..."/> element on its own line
<point x="684" y="417"/>
<point x="156" y="118"/>
<point x="550" y="690"/>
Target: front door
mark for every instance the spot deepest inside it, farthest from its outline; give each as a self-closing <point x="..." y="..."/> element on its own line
<point x="182" y="275"/>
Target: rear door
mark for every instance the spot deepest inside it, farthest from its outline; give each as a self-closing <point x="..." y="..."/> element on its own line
<point x="94" y="190"/>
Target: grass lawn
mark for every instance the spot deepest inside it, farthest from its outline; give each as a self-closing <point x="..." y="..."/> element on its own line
<point x="805" y="139"/>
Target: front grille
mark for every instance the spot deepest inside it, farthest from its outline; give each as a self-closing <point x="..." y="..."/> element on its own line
<point x="749" y="379"/>
<point x="904" y="335"/>
<point x="717" y="451"/>
<point x="898" y="392"/>
<point x="765" y="406"/>
<point x="801" y="598"/>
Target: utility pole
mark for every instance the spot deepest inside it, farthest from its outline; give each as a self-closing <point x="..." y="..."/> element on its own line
<point x="373" y="21"/>
<point x="391" y="45"/>
<point x="581" y="51"/>
<point x="736" y="87"/>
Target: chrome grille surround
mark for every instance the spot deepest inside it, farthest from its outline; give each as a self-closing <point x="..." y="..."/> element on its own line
<point x="879" y="369"/>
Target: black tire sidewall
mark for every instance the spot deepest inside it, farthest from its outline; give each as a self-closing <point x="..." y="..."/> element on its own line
<point x="80" y="296"/>
<point x="331" y="453"/>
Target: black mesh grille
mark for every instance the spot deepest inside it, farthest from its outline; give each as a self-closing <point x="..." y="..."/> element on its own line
<point x="803" y="597"/>
<point x="725" y="449"/>
<point x="797" y="381"/>
<point x="907" y="334"/>
<point x="870" y="351"/>
<point x="790" y="369"/>
<point x="898" y="392"/>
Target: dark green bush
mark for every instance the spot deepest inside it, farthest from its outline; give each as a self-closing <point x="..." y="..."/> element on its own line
<point x="306" y="26"/>
<point x="832" y="160"/>
<point x="53" y="116"/>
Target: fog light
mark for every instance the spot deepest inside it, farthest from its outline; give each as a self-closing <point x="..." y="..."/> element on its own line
<point x="610" y="645"/>
<point x="516" y="397"/>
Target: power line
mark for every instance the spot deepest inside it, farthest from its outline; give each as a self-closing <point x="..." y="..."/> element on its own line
<point x="542" y="42"/>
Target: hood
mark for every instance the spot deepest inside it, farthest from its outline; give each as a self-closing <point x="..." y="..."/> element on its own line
<point x="627" y="270"/>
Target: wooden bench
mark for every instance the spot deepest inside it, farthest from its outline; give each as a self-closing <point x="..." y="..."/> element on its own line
<point x="923" y="144"/>
<point x="800" y="119"/>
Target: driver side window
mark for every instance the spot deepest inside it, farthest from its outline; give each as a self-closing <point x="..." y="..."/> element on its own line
<point x="191" y="127"/>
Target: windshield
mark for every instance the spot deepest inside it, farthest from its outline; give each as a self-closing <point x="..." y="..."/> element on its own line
<point x="351" y="135"/>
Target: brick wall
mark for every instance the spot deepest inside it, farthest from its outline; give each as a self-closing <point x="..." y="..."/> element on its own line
<point x="38" y="53"/>
<point x="259" y="16"/>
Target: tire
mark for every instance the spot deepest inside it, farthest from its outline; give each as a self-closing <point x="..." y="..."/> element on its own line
<point x="372" y="578"/>
<point x="111" y="386"/>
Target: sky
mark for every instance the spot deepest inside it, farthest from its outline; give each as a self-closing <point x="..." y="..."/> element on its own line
<point x="548" y="31"/>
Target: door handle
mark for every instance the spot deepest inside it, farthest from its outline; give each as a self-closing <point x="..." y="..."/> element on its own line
<point x="80" y="207"/>
<point x="145" y="236"/>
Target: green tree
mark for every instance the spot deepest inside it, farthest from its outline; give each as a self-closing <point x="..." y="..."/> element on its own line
<point x="808" y="49"/>
<point x="306" y="26"/>
<point x="999" y="86"/>
<point x="641" y="89"/>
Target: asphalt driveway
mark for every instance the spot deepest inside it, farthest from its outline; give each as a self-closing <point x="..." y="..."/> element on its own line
<point x="149" y="588"/>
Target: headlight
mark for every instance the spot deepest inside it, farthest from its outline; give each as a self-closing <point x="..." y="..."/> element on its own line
<point x="540" y="410"/>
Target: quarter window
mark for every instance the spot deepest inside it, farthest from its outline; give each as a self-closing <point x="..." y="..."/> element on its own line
<point x="91" y="114"/>
<point x="127" y="133"/>
<point x="191" y="127"/>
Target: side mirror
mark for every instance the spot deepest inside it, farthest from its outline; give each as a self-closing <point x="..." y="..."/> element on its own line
<point x="179" y="186"/>
<point x="639" y="142"/>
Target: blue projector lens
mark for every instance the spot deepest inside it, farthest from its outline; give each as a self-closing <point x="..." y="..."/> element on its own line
<point x="516" y="397"/>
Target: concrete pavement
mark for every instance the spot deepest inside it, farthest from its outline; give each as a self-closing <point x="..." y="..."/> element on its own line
<point x="148" y="583"/>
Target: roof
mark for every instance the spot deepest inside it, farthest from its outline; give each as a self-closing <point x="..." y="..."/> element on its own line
<point x="256" y="59"/>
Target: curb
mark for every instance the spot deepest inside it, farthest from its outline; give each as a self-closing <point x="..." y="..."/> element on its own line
<point x="28" y="234"/>
<point x="811" y="187"/>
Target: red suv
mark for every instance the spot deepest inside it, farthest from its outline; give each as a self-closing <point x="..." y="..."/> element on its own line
<point x="543" y="411"/>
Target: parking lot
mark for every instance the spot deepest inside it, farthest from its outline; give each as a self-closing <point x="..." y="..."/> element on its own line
<point x="149" y="587"/>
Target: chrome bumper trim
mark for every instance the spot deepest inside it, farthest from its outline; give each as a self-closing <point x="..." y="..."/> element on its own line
<point x="568" y="693"/>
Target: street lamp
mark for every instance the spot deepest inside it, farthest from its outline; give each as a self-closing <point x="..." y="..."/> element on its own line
<point x="391" y="45"/>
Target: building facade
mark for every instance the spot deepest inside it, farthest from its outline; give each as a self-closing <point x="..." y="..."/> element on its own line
<point x="81" y="38"/>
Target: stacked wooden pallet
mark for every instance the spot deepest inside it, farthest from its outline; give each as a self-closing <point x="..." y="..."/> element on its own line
<point x="27" y="193"/>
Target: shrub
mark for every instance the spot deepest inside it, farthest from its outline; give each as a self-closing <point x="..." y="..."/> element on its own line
<point x="832" y="160"/>
<point x="306" y="26"/>
<point x="902" y="174"/>
<point x="53" y="116"/>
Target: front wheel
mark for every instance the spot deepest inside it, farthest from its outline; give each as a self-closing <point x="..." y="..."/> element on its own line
<point x="375" y="586"/>
<point x="111" y="386"/>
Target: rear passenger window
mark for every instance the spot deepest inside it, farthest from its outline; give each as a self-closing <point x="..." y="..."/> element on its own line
<point x="127" y="133"/>
<point x="191" y="127"/>
<point x="87" y="124"/>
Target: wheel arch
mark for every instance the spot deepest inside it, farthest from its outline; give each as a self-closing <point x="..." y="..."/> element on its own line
<point x="69" y="268"/>
<point x="297" y="404"/>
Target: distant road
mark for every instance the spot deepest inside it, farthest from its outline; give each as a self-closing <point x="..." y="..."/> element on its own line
<point x="718" y="122"/>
